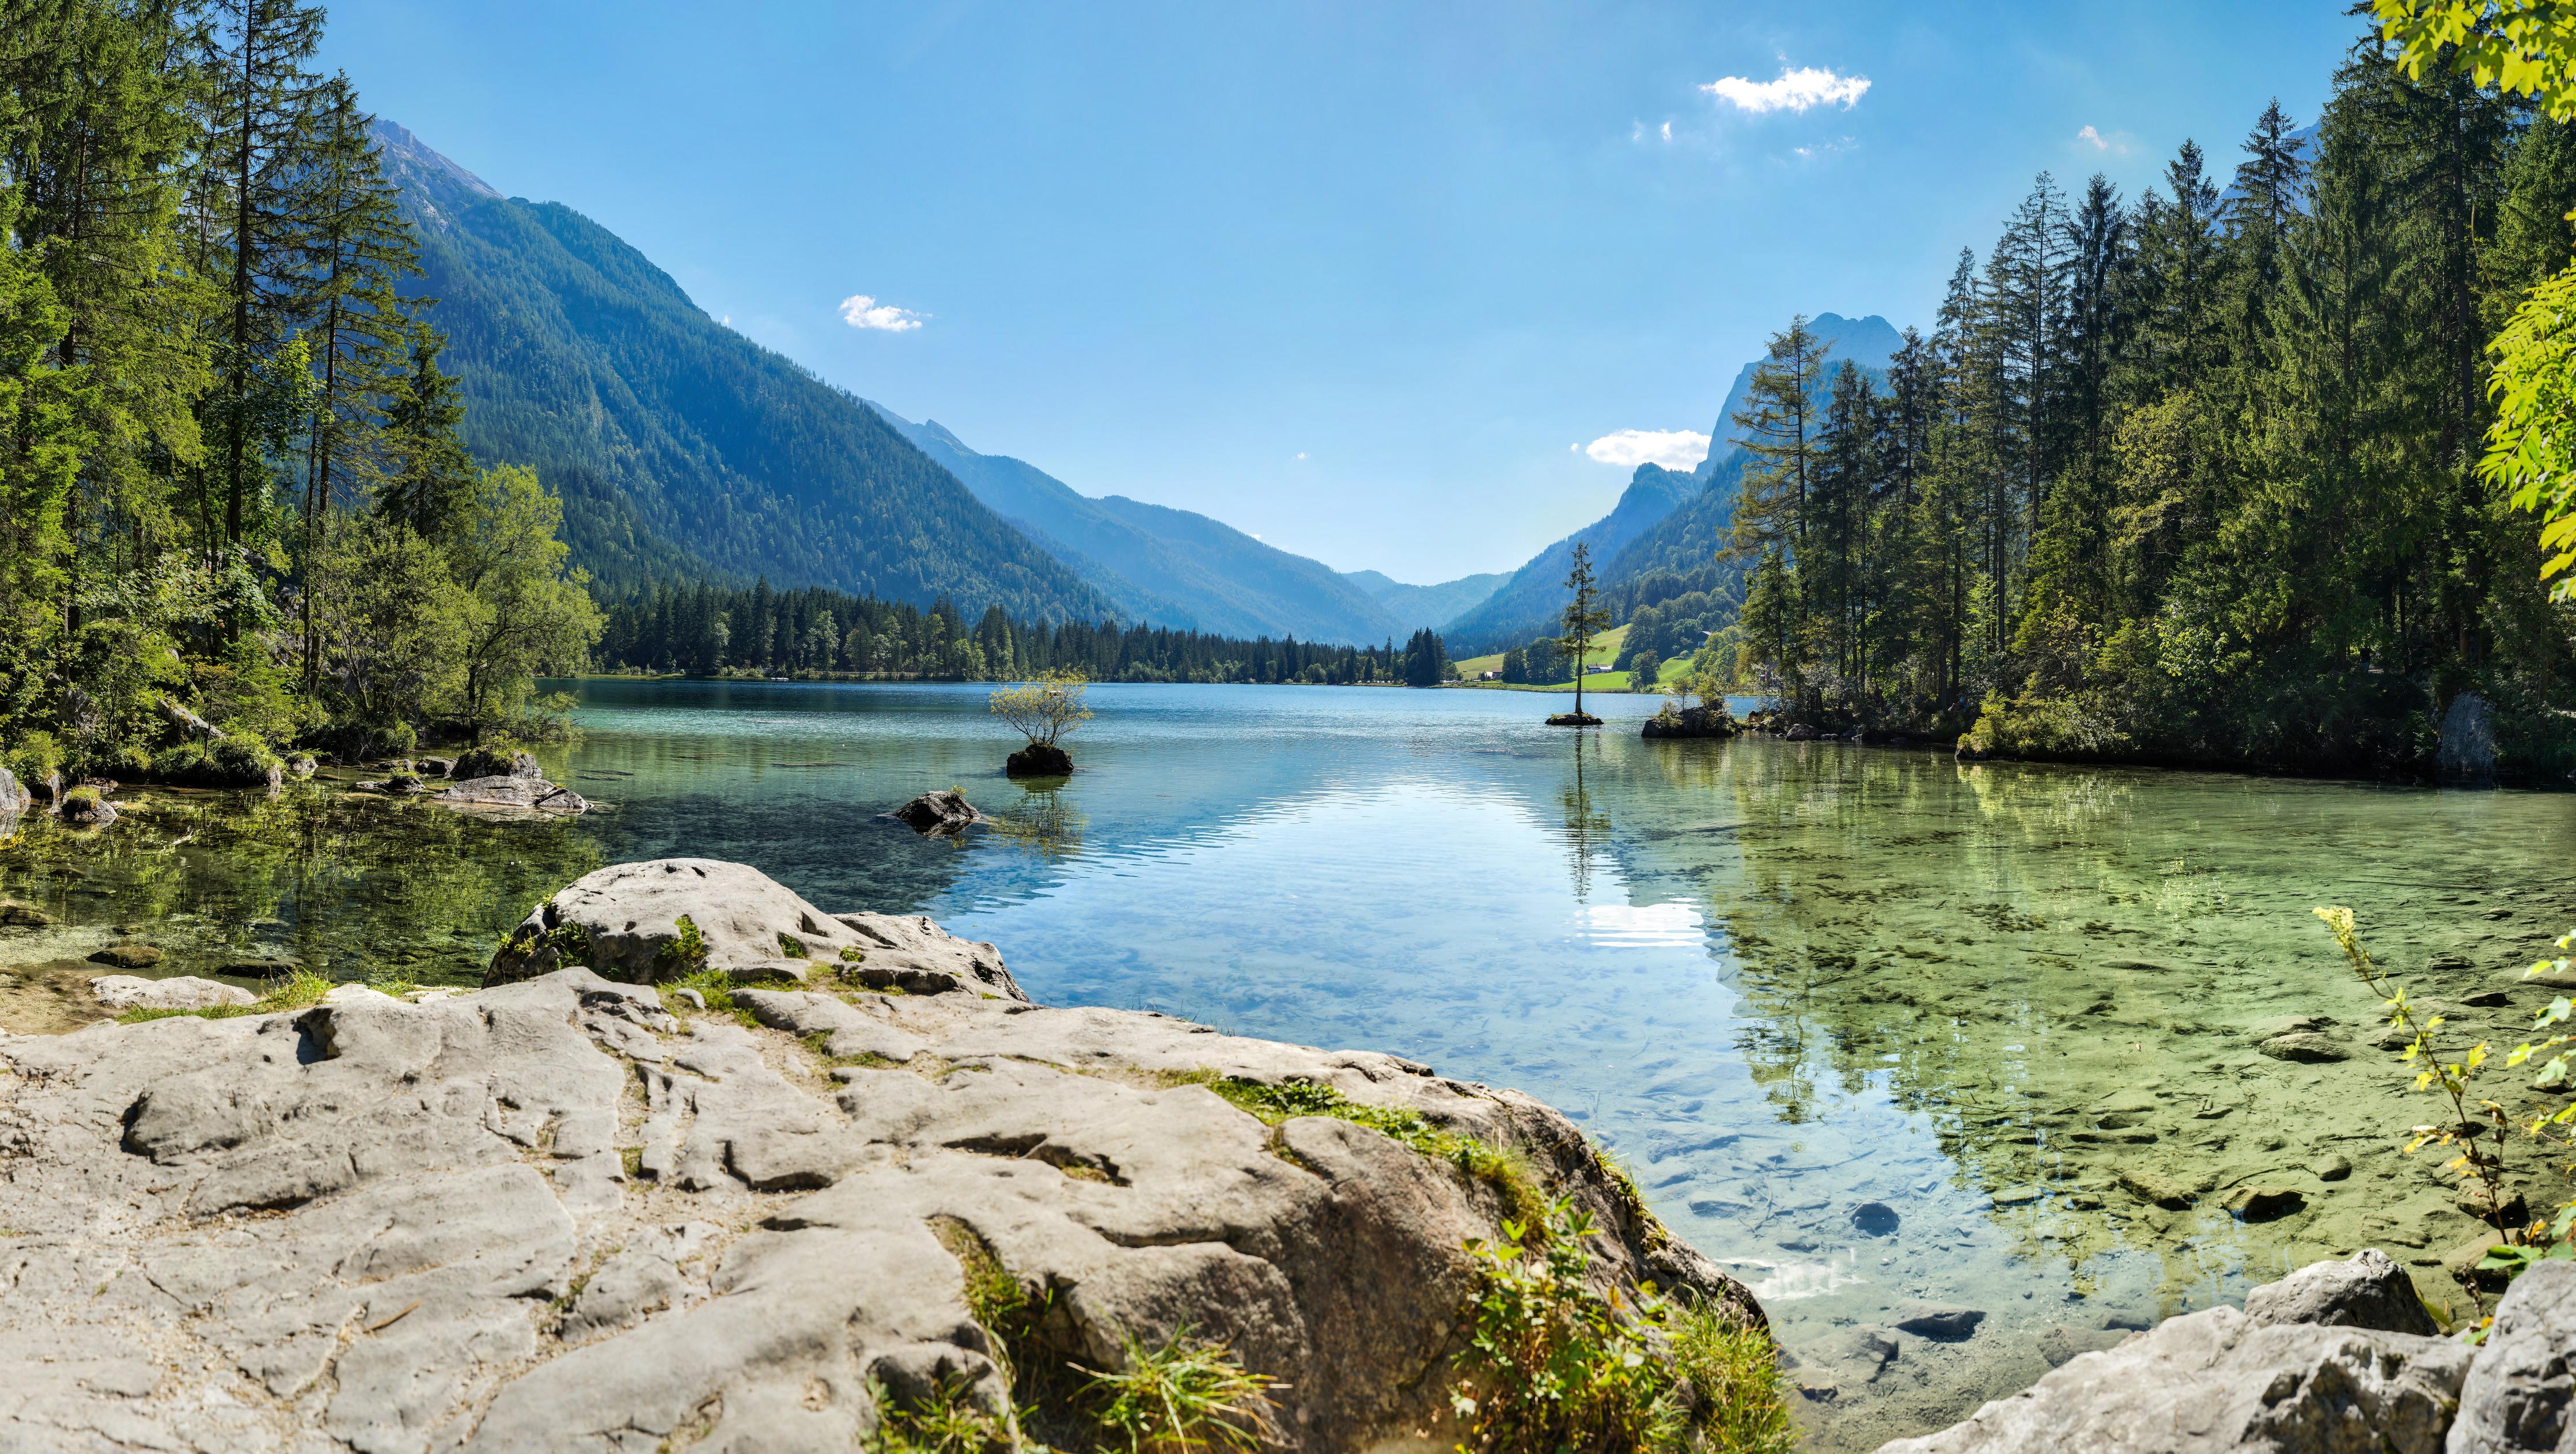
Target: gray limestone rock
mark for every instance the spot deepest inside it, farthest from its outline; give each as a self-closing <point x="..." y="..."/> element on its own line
<point x="2516" y="1398"/>
<point x="624" y="922"/>
<point x="13" y="797"/>
<point x="2467" y="754"/>
<point x="514" y="793"/>
<point x="2364" y="1291"/>
<point x="2220" y="1381"/>
<point x="483" y="762"/>
<point x="550" y="1215"/>
<point x="180" y="992"/>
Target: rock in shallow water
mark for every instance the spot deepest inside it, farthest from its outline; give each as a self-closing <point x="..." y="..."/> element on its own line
<point x="372" y="1217"/>
<point x="940" y="811"/>
<point x="127" y="956"/>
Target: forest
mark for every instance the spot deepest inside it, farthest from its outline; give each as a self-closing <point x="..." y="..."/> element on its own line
<point x="711" y="630"/>
<point x="238" y="517"/>
<point x="2189" y="476"/>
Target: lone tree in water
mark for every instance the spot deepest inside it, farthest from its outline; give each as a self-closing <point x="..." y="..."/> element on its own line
<point x="1584" y="617"/>
<point x="1043" y="709"/>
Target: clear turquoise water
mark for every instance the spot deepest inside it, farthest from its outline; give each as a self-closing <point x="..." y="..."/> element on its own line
<point x="1781" y="981"/>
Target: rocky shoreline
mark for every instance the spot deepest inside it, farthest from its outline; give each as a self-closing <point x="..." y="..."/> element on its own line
<point x="733" y="1206"/>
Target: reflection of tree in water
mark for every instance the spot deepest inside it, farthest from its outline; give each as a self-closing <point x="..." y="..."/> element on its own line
<point x="1587" y="826"/>
<point x="1046" y="822"/>
<point x="349" y="884"/>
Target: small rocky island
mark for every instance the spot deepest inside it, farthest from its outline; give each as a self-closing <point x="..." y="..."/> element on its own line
<point x="705" y="1166"/>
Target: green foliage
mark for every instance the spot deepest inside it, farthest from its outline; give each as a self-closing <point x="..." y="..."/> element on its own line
<point x="1583" y="618"/>
<point x="1181" y="1397"/>
<point x="300" y="988"/>
<point x="1272" y="1102"/>
<point x="1552" y="1364"/>
<point x="683" y="955"/>
<point x="2528" y="46"/>
<point x="1043" y="708"/>
<point x="713" y="985"/>
<point x="571" y="944"/>
<point x="790" y="945"/>
<point x="36" y="757"/>
<point x="853" y="954"/>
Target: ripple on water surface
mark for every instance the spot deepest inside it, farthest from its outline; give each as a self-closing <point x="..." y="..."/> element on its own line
<point x="1879" y="1031"/>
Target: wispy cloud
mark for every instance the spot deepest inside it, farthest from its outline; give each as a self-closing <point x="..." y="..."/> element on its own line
<point x="2117" y="143"/>
<point x="861" y="311"/>
<point x="1672" y="448"/>
<point x="1301" y="454"/>
<point x="1799" y="88"/>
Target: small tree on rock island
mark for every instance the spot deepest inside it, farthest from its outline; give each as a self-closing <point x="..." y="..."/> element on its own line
<point x="1042" y="709"/>
<point x="1584" y="617"/>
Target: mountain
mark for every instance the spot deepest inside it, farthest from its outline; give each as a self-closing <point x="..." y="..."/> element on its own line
<point x="1527" y="604"/>
<point x="681" y="448"/>
<point x="1170" y="567"/>
<point x="1870" y="342"/>
<point x="1632" y="539"/>
<point x="1429" y="605"/>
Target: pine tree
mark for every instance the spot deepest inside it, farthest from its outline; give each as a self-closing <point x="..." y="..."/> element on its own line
<point x="1583" y="617"/>
<point x="425" y="474"/>
<point x="249" y="207"/>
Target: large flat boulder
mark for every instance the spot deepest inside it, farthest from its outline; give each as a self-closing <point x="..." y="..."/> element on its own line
<point x="625" y="922"/>
<point x="178" y="992"/>
<point x="552" y="1215"/>
<point x="2220" y="1381"/>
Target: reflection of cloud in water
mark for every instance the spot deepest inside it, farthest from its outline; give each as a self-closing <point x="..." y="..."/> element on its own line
<point x="1789" y="1281"/>
<point x="1647" y="926"/>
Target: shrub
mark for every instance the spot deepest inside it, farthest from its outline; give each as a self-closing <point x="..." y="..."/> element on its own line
<point x="1552" y="1364"/>
<point x="1502" y="1168"/>
<point x="36" y="757"/>
<point x="684" y="955"/>
<point x="81" y="798"/>
<point x="180" y="762"/>
<point x="241" y="761"/>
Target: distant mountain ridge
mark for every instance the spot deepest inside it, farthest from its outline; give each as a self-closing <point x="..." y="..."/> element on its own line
<point x="682" y="449"/>
<point x="1631" y="538"/>
<point x="1170" y="567"/>
<point x="1430" y="605"/>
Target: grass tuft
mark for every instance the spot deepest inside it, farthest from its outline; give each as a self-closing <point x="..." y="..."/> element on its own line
<point x="1501" y="1167"/>
<point x="298" y="989"/>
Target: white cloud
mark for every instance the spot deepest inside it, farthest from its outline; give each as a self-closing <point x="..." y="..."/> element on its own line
<point x="1672" y="448"/>
<point x="1668" y="131"/>
<point x="861" y="311"/>
<point x="1301" y="454"/>
<point x="1798" y="89"/>
<point x="2117" y="142"/>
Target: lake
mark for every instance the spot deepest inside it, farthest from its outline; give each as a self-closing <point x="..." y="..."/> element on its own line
<point x="1875" y="1029"/>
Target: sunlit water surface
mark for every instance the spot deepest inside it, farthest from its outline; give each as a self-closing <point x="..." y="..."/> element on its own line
<point x="1783" y="982"/>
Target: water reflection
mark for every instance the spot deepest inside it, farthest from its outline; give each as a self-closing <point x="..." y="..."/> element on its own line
<point x="1873" y="1027"/>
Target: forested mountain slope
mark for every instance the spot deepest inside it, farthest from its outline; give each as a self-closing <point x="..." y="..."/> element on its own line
<point x="1527" y="604"/>
<point x="680" y="447"/>
<point x="1622" y="549"/>
<point x="1429" y="605"/>
<point x="1169" y="567"/>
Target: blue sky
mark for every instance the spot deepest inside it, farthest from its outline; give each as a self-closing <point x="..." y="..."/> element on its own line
<point x="1358" y="278"/>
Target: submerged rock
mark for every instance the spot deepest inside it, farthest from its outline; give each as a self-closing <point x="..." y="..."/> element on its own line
<point x="1039" y="759"/>
<point x="939" y="811"/>
<point x="128" y="956"/>
<point x="2302" y="1045"/>
<point x="15" y="915"/>
<point x="382" y="1225"/>
<point x="181" y="992"/>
